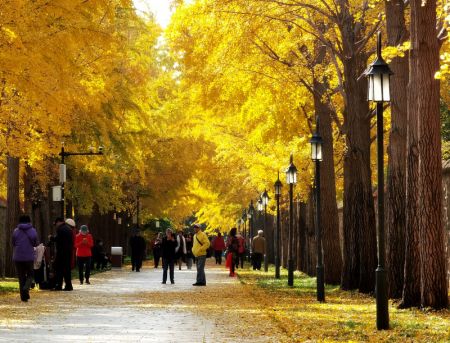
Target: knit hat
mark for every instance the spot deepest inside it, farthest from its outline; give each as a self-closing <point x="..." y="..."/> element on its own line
<point x="70" y="222"/>
<point x="84" y="229"/>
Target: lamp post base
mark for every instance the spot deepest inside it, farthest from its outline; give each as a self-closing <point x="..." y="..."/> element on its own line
<point x="382" y="299"/>
<point x="290" y="272"/>
<point x="266" y="264"/>
<point x="320" y="284"/>
<point x="277" y="268"/>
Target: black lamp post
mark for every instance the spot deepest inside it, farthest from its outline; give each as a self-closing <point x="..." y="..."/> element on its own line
<point x="316" y="156"/>
<point x="378" y="75"/>
<point x="278" y="185"/>
<point x="265" y="202"/>
<point x="62" y="169"/>
<point x="260" y="208"/>
<point x="251" y="214"/>
<point x="244" y="218"/>
<point x="291" y="180"/>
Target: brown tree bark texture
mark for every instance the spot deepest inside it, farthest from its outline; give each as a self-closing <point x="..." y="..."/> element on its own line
<point x="411" y="285"/>
<point x="358" y="217"/>
<point x="332" y="255"/>
<point x="432" y="252"/>
<point x="397" y="33"/>
<point x="12" y="211"/>
<point x="303" y="237"/>
<point x="311" y="238"/>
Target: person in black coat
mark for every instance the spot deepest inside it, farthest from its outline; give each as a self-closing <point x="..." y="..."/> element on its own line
<point x="168" y="246"/>
<point x="64" y="248"/>
<point x="137" y="245"/>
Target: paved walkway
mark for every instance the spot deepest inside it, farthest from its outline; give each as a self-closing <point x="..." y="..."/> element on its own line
<point x="125" y="306"/>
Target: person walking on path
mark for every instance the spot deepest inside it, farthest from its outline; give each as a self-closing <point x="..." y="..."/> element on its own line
<point x="137" y="245"/>
<point x="168" y="246"/>
<point x="201" y="245"/>
<point x="24" y="240"/>
<point x="232" y="250"/>
<point x="157" y="249"/>
<point x="218" y="244"/>
<point x="84" y="244"/>
<point x="181" y="248"/>
<point x="241" y="251"/>
<point x="189" y="256"/>
<point x="64" y="250"/>
<point x="259" y="250"/>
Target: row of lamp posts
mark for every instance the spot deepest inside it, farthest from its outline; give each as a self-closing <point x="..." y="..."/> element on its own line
<point x="378" y="74"/>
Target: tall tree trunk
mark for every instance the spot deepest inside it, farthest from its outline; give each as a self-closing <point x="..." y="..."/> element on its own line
<point x="431" y="230"/>
<point x="303" y="236"/>
<point x="311" y="235"/>
<point x="12" y="211"/>
<point x="411" y="282"/>
<point x="330" y="224"/>
<point x="359" y="216"/>
<point x="397" y="33"/>
<point x="360" y="259"/>
<point x="298" y="257"/>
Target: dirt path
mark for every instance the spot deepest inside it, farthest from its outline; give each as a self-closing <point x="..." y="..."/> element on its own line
<point x="124" y="306"/>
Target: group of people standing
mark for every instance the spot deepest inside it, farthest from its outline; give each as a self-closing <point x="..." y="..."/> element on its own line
<point x="69" y="247"/>
<point x="175" y="249"/>
<point x="236" y="249"/>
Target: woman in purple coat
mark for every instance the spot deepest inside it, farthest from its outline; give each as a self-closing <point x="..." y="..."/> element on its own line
<point x="24" y="239"/>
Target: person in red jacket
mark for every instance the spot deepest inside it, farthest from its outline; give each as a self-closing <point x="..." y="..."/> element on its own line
<point x="84" y="244"/>
<point x="218" y="245"/>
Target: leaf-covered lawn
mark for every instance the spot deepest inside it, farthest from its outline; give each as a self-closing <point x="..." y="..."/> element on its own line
<point x="8" y="285"/>
<point x="346" y="316"/>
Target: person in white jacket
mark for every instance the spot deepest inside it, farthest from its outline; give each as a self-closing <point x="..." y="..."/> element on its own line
<point x="180" y="251"/>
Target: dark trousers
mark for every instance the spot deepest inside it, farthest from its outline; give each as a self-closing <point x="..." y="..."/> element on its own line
<point x="136" y="262"/>
<point x="168" y="264"/>
<point x="156" y="257"/>
<point x="25" y="275"/>
<point x="218" y="256"/>
<point x="201" y="278"/>
<point x="257" y="258"/>
<point x="240" y="258"/>
<point x="63" y="271"/>
<point x="84" y="261"/>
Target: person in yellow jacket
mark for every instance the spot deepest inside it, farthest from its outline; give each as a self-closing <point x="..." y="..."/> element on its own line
<point x="201" y="245"/>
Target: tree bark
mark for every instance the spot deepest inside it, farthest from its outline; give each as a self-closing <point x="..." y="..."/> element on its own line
<point x="431" y="230"/>
<point x="332" y="255"/>
<point x="303" y="237"/>
<point x="12" y="211"/>
<point x="311" y="236"/>
<point x="358" y="216"/>
<point x="397" y="33"/>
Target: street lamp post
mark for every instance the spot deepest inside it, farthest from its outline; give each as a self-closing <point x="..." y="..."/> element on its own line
<point x="278" y="185"/>
<point x="378" y="75"/>
<point x="291" y="180"/>
<point x="265" y="202"/>
<point x="316" y="156"/>
<point x="62" y="169"/>
<point x="251" y="213"/>
<point x="244" y="218"/>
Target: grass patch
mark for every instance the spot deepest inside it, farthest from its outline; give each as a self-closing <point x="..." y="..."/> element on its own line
<point x="345" y="316"/>
<point x="9" y="285"/>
